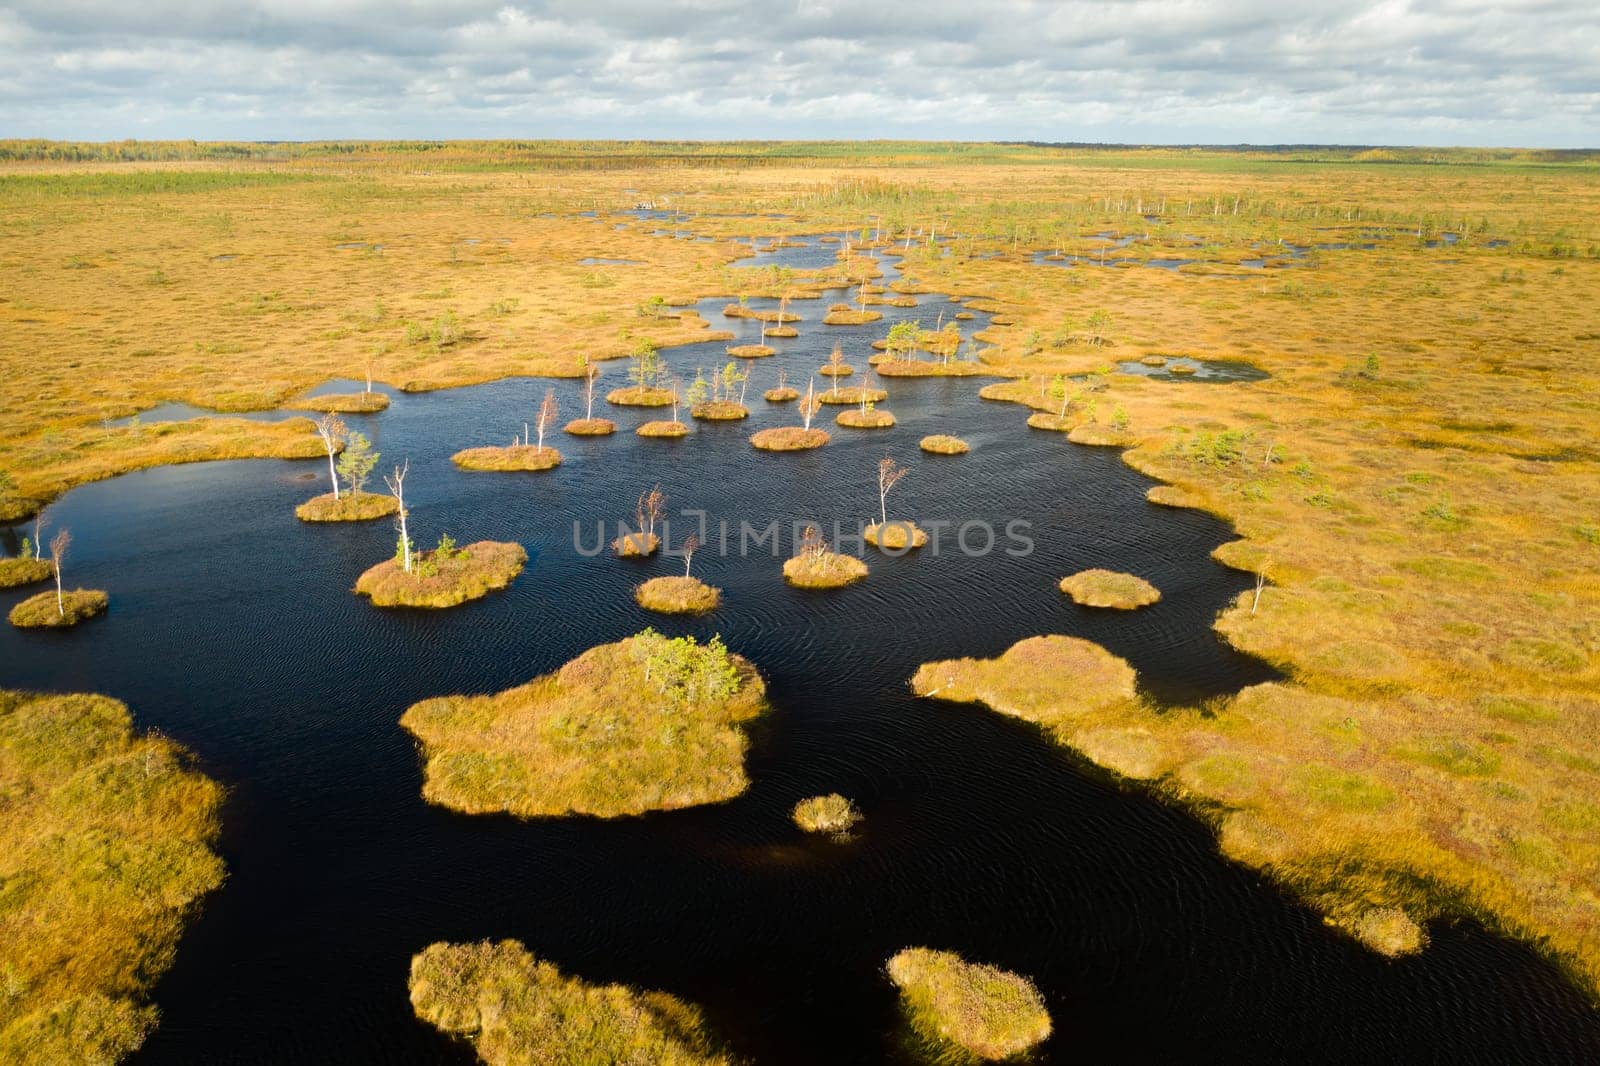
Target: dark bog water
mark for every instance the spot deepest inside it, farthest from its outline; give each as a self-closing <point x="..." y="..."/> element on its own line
<point x="233" y="629"/>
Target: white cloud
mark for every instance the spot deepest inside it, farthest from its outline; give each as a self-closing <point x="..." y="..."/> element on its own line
<point x="1385" y="71"/>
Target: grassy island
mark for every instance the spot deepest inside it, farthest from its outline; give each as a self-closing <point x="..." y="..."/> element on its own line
<point x="677" y="595"/>
<point x="1099" y="435"/>
<point x="648" y="723"/>
<point x="845" y="315"/>
<point x="105" y="852"/>
<point x="663" y="428"/>
<point x="852" y="394"/>
<point x="342" y="403"/>
<point x="1051" y="421"/>
<point x="941" y="444"/>
<point x="957" y="1006"/>
<point x="781" y="394"/>
<point x="918" y="368"/>
<point x="1108" y="588"/>
<point x="47" y="611"/>
<point x="719" y="411"/>
<point x="518" y="1010"/>
<point x="783" y="331"/>
<point x="17" y="572"/>
<point x="348" y="507"/>
<point x="832" y="813"/>
<point x="444" y="577"/>
<point x="836" y="370"/>
<point x="636" y="544"/>
<point x="510" y="457"/>
<point x="789" y="439"/>
<point x="896" y="536"/>
<point x="868" y="418"/>
<point x="591" y="427"/>
<point x="640" y="396"/>
<point x="815" y="567"/>
<point x="752" y="351"/>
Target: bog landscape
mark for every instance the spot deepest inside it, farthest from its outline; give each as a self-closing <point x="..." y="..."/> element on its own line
<point x="788" y="602"/>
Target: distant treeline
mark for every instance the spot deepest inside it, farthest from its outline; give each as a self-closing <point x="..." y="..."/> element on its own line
<point x="557" y="154"/>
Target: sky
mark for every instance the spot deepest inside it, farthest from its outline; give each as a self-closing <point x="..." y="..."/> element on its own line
<point x="1429" y="72"/>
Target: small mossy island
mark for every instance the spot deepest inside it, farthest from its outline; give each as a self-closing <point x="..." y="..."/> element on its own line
<point x="105" y="853"/>
<point x="17" y="572"/>
<point x="511" y="457"/>
<point x="832" y="813"/>
<point x="865" y="418"/>
<point x="591" y="427"/>
<point x="781" y="394"/>
<point x="941" y="444"/>
<point x="52" y="610"/>
<point x="917" y="368"/>
<point x="646" y="724"/>
<point x="518" y="1010"/>
<point x="789" y="439"/>
<point x="637" y="544"/>
<point x="663" y="428"/>
<point x="852" y="394"/>
<point x="719" y="411"/>
<point x="1053" y="422"/>
<point x="897" y="535"/>
<point x="341" y="403"/>
<point x="445" y="576"/>
<point x="845" y="315"/>
<point x="1048" y="680"/>
<point x="347" y="507"/>
<point x="1108" y="588"/>
<point x="816" y="567"/>
<point x="1100" y="435"/>
<point x="753" y="351"/>
<point x="640" y="396"/>
<point x="987" y="1013"/>
<point x="678" y="594"/>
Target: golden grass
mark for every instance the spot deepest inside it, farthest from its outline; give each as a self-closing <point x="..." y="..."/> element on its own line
<point x="18" y="572"/>
<point x="783" y="331"/>
<point x="852" y="394"/>
<point x="636" y="545"/>
<point x="518" y="1011"/>
<point x="920" y="368"/>
<point x="782" y="394"/>
<point x="752" y="351"/>
<point x="470" y="573"/>
<point x="943" y="444"/>
<point x="509" y="457"/>
<point x="845" y="315"/>
<point x="898" y="535"/>
<point x="644" y="724"/>
<point x="1108" y="588"/>
<point x="640" y="396"/>
<point x="104" y="855"/>
<point x="840" y="370"/>
<point x="1053" y="422"/>
<point x="591" y="427"/>
<point x="989" y="1013"/>
<point x="831" y="813"/>
<point x="345" y="403"/>
<point x="789" y="439"/>
<point x="44" y="611"/>
<point x="663" y="428"/>
<point x="349" y="507"/>
<point x="823" y="570"/>
<point x="871" y="418"/>
<point x="677" y="594"/>
<point x="719" y="411"/>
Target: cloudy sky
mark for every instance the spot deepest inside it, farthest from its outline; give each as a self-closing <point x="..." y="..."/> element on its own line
<point x="1264" y="71"/>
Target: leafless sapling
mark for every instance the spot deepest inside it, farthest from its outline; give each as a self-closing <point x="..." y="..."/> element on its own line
<point x="58" y="551"/>
<point x="547" y="415"/>
<point x="889" y="475"/>
<point x="332" y="431"/>
<point x="396" y="483"/>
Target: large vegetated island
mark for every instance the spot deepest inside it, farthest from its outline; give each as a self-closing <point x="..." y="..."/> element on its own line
<point x="648" y="723"/>
<point x="105" y="851"/>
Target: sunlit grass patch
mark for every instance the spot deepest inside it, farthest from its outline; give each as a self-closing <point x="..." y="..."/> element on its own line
<point x="647" y="723"/>
<point x="517" y="1010"/>
<point x="1108" y="588"/>
<point x="677" y="595"/>
<point x="989" y="1013"/>
<point x="438" y="579"/>
<point x="348" y="507"/>
<point x="49" y="611"/>
<point x="831" y="813"/>
<point x="104" y="854"/>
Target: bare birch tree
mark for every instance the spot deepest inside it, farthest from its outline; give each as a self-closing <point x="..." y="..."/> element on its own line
<point x="332" y="431"/>
<point x="889" y="475"/>
<point x="58" y="551"/>
<point x="547" y="415"/>
<point x="397" y="488"/>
